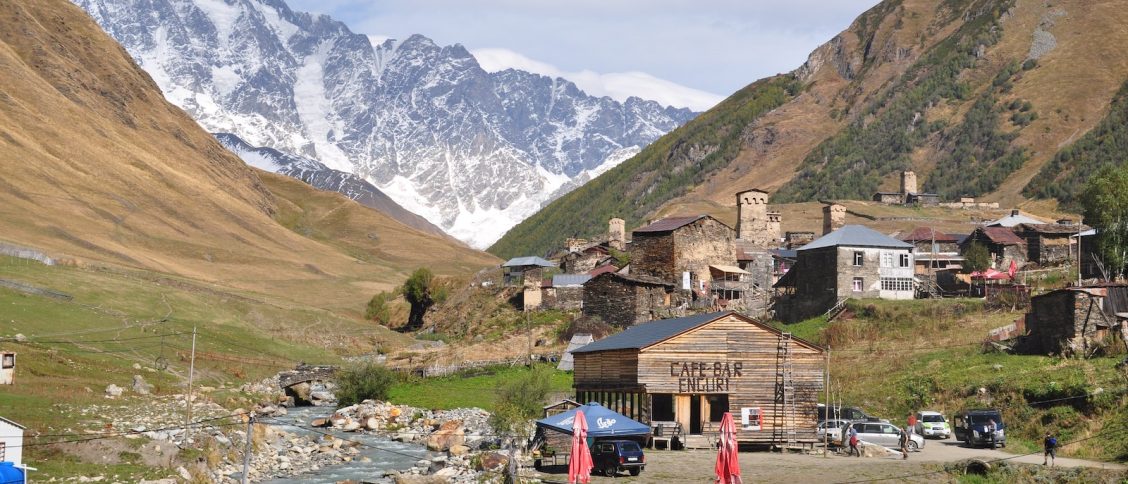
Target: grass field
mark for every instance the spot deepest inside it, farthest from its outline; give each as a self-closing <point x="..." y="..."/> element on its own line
<point x="894" y="357"/>
<point x="468" y="389"/>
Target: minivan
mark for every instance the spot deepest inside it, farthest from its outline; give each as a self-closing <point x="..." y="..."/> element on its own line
<point x="613" y="456"/>
<point x="853" y="414"/>
<point x="971" y="427"/>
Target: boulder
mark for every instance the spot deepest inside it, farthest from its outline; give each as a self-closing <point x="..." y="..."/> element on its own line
<point x="873" y="450"/>
<point x="338" y="420"/>
<point x="301" y="391"/>
<point x="411" y="479"/>
<point x="458" y="450"/>
<point x="140" y="386"/>
<point x="492" y="461"/>
<point x="442" y="440"/>
<point x="372" y="423"/>
<point x="113" y="391"/>
<point x="351" y="426"/>
<point x="319" y="422"/>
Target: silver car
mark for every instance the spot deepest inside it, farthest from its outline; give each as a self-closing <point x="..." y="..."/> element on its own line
<point x="885" y="435"/>
<point x="831" y="427"/>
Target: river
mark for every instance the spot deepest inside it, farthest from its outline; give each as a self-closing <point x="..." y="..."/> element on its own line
<point x="384" y="454"/>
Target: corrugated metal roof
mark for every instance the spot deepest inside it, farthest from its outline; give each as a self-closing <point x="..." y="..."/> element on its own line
<point x="602" y="269"/>
<point x="856" y="236"/>
<point x="669" y="223"/>
<point x="563" y="280"/>
<point x="928" y="234"/>
<point x="642" y="335"/>
<point x="730" y="269"/>
<point x="527" y="261"/>
<point x="1001" y="235"/>
<point x="1012" y="220"/>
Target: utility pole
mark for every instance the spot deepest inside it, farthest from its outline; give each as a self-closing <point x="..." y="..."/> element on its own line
<point x="247" y="447"/>
<point x="828" y="407"/>
<point x="1079" y="225"/>
<point x="191" y="375"/>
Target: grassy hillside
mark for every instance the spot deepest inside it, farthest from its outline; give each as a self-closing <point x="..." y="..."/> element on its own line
<point x="893" y="357"/>
<point x="99" y="168"/>
<point x="1064" y="177"/>
<point x="948" y="88"/>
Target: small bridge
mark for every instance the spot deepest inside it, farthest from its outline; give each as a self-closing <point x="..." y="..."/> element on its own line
<point x="306" y="373"/>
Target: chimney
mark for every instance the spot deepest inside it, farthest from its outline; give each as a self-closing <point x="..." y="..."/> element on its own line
<point x="834" y="217"/>
<point x="616" y="233"/>
<point x="1014" y="212"/>
<point x="908" y="183"/>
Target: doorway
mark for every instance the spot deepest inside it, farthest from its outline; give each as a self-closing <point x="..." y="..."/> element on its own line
<point x="695" y="414"/>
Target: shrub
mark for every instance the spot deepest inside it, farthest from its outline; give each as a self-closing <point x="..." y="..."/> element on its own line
<point x="378" y="309"/>
<point x="363" y="382"/>
<point x="521" y="399"/>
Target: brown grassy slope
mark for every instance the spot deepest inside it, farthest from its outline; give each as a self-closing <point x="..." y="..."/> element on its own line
<point x="97" y="165"/>
<point x="1070" y="89"/>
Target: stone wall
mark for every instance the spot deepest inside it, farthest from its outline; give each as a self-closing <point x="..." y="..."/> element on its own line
<point x="568" y="298"/>
<point x="834" y="217"/>
<point x="1059" y="322"/>
<point x="692" y="247"/>
<point x="581" y="262"/>
<point x="701" y="244"/>
<point x="617" y="233"/>
<point x="621" y="302"/>
<point x="1049" y="249"/>
<point x="754" y="223"/>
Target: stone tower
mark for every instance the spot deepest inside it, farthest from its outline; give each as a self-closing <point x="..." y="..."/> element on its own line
<point x="908" y="183"/>
<point x="834" y="217"/>
<point x="617" y="233"/>
<point x="754" y="223"/>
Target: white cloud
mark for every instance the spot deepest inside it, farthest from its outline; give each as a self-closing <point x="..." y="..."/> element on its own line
<point x="617" y="85"/>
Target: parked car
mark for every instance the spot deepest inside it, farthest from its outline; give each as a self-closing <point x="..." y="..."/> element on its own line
<point x="932" y="424"/>
<point x="971" y="426"/>
<point x="613" y="456"/>
<point x="884" y="434"/>
<point x="852" y="414"/>
<point x="833" y="427"/>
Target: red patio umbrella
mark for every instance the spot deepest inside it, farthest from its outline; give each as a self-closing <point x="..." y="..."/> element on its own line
<point x="579" y="464"/>
<point x="728" y="469"/>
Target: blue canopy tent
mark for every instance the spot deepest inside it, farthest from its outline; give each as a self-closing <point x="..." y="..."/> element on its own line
<point x="9" y="474"/>
<point x="602" y="422"/>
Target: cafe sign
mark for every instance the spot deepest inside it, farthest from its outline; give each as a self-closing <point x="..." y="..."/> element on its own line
<point x="704" y="376"/>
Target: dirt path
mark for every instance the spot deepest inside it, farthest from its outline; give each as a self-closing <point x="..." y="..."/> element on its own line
<point x="697" y="466"/>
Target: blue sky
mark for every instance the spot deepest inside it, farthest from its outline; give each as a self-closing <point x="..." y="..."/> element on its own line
<point x="686" y="53"/>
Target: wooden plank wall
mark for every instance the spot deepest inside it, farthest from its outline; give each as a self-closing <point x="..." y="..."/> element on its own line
<point x="738" y="358"/>
<point x="616" y="368"/>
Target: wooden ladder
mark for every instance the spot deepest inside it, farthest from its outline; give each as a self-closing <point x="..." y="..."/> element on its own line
<point x="783" y="419"/>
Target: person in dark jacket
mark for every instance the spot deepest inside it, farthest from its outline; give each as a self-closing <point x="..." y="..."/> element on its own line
<point x="1049" y="444"/>
<point x="904" y="444"/>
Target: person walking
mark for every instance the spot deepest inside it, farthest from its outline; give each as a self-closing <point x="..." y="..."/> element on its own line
<point x="912" y="423"/>
<point x="992" y="429"/>
<point x="853" y="433"/>
<point x="1049" y="444"/>
<point x="904" y="444"/>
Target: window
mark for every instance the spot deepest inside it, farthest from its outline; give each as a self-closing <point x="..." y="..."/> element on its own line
<point x="858" y="258"/>
<point x="9" y="361"/>
<point x="904" y="260"/>
<point x="3" y="452"/>
<point x="896" y="284"/>
<point x="857" y="284"/>
<point x="886" y="259"/>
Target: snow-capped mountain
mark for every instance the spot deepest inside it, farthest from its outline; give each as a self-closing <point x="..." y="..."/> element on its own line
<point x="474" y="152"/>
<point x="324" y="178"/>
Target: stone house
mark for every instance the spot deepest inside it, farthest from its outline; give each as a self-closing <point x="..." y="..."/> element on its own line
<point x="583" y="260"/>
<point x="1070" y="321"/>
<point x="625" y="299"/>
<point x="794" y="240"/>
<point x="927" y="240"/>
<point x="1003" y="244"/>
<point x="678" y="248"/>
<point x="852" y="262"/>
<point x="1050" y="243"/>
<point x="564" y="291"/>
<point x="514" y="269"/>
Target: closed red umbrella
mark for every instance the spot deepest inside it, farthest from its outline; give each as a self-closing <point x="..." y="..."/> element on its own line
<point x="728" y="469"/>
<point x="579" y="464"/>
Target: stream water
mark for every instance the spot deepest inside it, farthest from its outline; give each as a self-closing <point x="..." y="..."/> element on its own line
<point x="384" y="454"/>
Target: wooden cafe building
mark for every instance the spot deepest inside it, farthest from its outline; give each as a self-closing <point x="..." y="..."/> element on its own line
<point x="685" y="373"/>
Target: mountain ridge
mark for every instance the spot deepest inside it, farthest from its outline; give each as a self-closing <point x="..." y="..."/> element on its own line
<point x="473" y="152"/>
